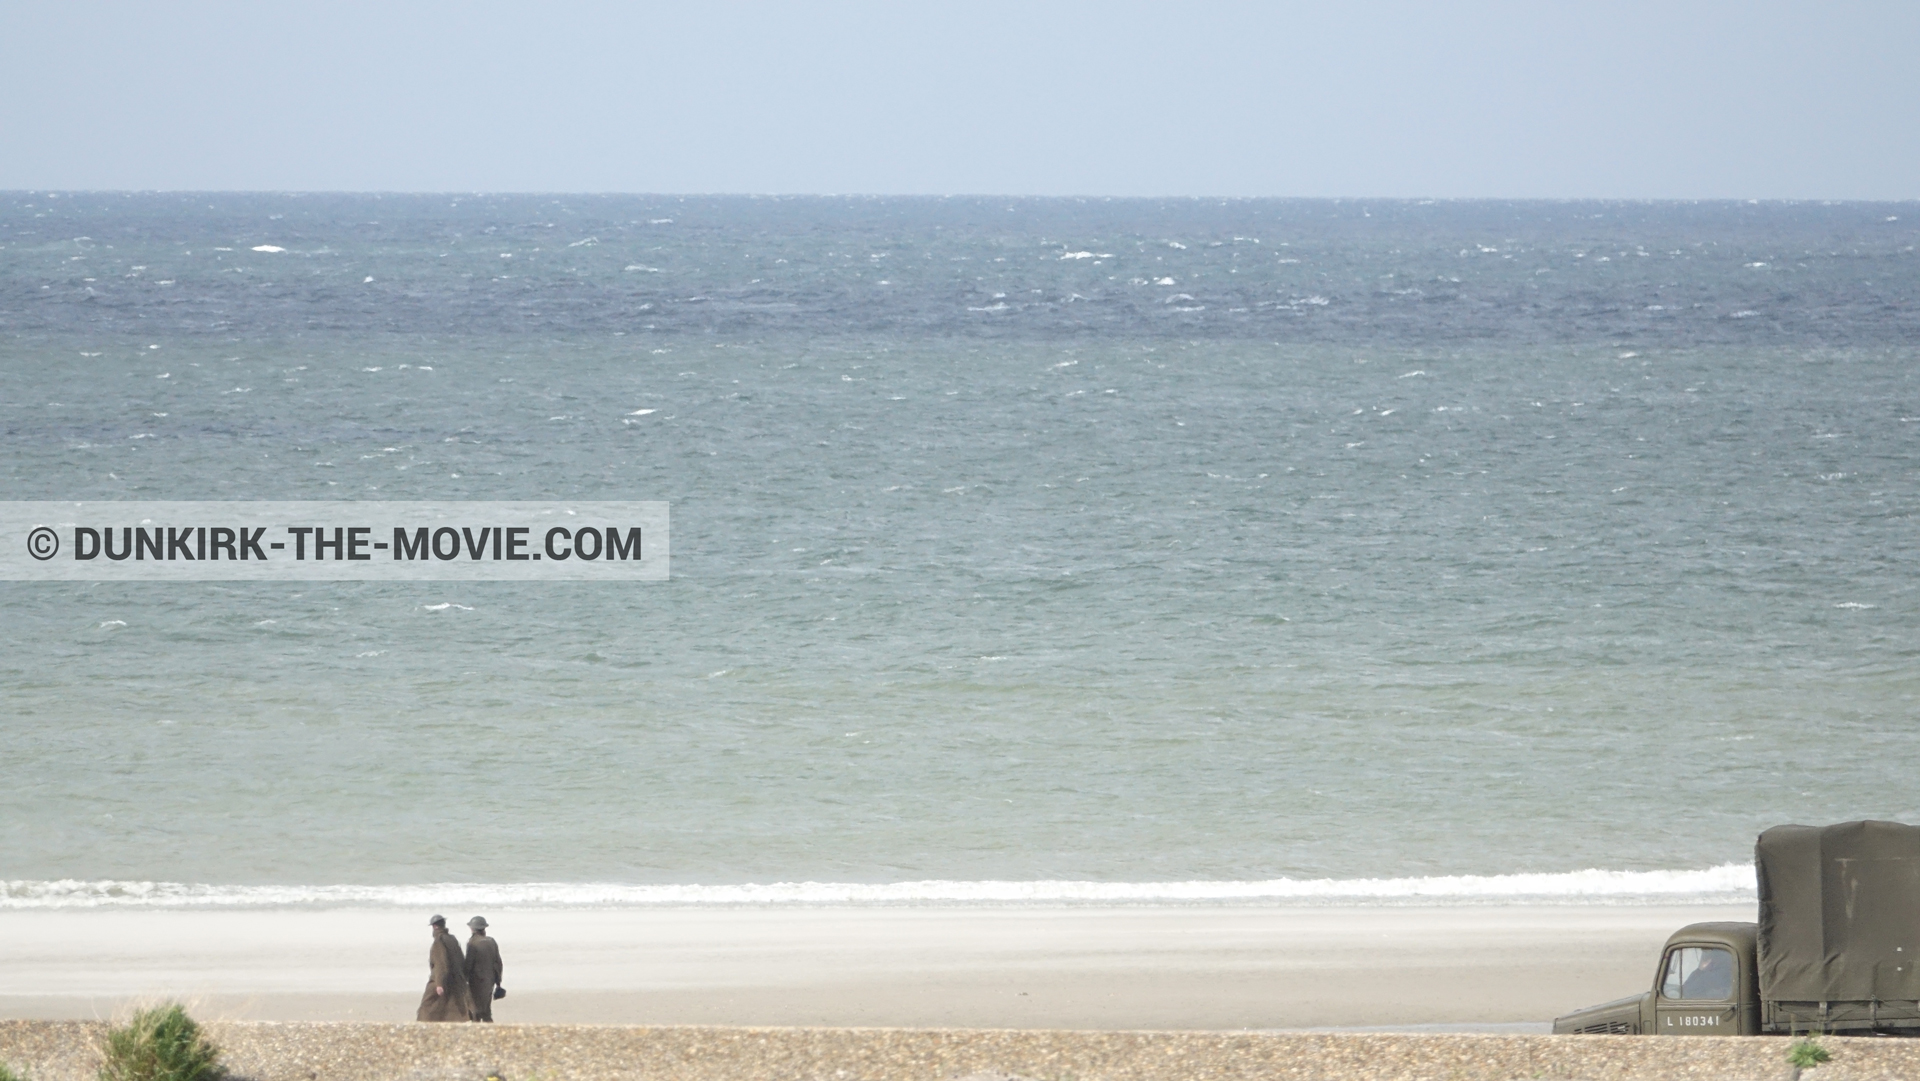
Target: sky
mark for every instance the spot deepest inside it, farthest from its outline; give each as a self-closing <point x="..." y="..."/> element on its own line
<point x="1473" y="98"/>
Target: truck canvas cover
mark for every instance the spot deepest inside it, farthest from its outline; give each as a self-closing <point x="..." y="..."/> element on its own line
<point x="1839" y="912"/>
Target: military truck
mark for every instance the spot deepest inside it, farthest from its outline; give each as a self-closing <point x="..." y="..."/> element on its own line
<point x="1837" y="948"/>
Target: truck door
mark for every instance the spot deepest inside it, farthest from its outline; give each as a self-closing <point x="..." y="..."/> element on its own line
<point x="1697" y="994"/>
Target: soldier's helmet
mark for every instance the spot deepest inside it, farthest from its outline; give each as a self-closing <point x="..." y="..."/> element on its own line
<point x="478" y="923"/>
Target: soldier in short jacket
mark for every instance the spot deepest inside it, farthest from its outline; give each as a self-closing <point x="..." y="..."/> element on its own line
<point x="446" y="996"/>
<point x="484" y="971"/>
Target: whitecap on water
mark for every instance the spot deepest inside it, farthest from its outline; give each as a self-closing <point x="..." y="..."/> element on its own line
<point x="1727" y="883"/>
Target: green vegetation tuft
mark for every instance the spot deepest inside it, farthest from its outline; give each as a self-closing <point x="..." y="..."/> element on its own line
<point x="7" y="1074"/>
<point x="161" y="1044"/>
<point x="1807" y="1054"/>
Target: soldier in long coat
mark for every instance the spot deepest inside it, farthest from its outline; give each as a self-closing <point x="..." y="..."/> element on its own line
<point x="484" y="971"/>
<point x="446" y="996"/>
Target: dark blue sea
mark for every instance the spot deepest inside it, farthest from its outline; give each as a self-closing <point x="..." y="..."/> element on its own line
<point x="1022" y="548"/>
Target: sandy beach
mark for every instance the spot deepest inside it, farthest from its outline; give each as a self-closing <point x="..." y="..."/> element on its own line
<point x="1507" y="968"/>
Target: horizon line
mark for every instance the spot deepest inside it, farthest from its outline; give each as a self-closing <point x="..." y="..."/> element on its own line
<point x="797" y="195"/>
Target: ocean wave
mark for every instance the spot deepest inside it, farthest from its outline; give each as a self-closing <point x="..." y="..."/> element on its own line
<point x="1731" y="883"/>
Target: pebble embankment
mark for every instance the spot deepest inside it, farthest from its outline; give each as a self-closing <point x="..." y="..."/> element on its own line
<point x="343" y="1051"/>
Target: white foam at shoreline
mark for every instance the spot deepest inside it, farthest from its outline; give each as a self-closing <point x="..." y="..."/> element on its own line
<point x="1729" y="883"/>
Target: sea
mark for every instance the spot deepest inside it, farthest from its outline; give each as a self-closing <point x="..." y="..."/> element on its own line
<point x="1067" y="551"/>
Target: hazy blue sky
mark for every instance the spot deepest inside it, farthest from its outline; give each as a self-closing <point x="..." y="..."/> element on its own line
<point x="1471" y="98"/>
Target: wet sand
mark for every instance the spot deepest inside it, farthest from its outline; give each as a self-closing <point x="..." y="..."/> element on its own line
<point x="1493" y="968"/>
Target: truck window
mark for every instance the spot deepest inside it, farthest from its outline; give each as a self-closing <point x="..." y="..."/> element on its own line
<point x="1698" y="972"/>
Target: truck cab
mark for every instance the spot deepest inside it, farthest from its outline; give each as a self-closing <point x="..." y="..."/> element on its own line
<point x="1707" y="984"/>
<point x="1836" y="949"/>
